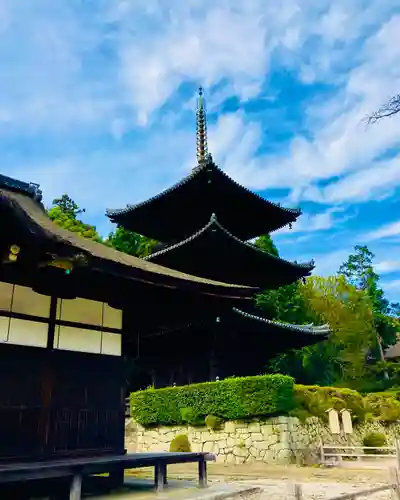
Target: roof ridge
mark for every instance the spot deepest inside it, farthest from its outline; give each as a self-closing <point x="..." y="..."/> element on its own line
<point x="313" y="330"/>
<point x="214" y="221"/>
<point x="195" y="171"/>
<point x="30" y="189"/>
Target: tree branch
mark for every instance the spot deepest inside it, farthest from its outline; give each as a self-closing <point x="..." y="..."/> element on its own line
<point x="392" y="107"/>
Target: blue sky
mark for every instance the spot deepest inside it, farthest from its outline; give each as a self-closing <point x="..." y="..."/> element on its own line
<point x="97" y="99"/>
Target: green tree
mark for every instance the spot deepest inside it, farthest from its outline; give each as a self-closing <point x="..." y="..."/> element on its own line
<point x="129" y="242"/>
<point x="266" y="243"/>
<point x="64" y="213"/>
<point x="359" y="271"/>
<point x="341" y="359"/>
<point x="284" y="304"/>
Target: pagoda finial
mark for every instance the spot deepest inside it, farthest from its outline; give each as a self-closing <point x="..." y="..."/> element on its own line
<point x="201" y="129"/>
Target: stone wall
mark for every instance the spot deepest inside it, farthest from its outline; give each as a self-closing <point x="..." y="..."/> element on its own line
<point x="276" y="440"/>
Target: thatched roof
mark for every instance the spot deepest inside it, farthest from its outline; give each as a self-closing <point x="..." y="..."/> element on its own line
<point x="34" y="217"/>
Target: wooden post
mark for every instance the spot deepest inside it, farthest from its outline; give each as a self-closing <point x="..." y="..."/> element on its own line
<point x="117" y="478"/>
<point x="75" y="488"/>
<point x="298" y="493"/>
<point x="398" y="453"/>
<point x="165" y="473"/>
<point x="202" y="473"/>
<point x="322" y="454"/>
<point x="160" y="476"/>
<point x="394" y="480"/>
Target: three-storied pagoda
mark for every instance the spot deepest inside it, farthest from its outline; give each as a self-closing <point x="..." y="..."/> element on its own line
<point x="203" y="225"/>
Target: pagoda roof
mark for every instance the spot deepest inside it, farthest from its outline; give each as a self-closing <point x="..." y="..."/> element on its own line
<point x="214" y="252"/>
<point x="24" y="216"/>
<point x="319" y="332"/>
<point x="179" y="210"/>
<point x="309" y="333"/>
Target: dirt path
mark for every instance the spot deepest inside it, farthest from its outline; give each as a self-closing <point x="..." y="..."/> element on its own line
<point x="275" y="472"/>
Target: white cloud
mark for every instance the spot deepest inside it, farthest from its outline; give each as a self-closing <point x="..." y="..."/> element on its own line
<point x="386" y="231"/>
<point x="338" y="141"/>
<point x="315" y="222"/>
<point x="387" y="266"/>
<point x="58" y="78"/>
<point x="393" y="285"/>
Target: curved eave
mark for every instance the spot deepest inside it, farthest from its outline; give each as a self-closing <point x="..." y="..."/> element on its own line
<point x="288" y="215"/>
<point x="304" y="268"/>
<point x="320" y="331"/>
<point x="40" y="227"/>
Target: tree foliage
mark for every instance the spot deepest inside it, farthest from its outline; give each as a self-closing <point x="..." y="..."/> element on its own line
<point x="65" y="211"/>
<point x="359" y="271"/>
<point x="265" y="243"/>
<point x="359" y="315"/>
<point x="129" y="242"/>
<point x="341" y="359"/>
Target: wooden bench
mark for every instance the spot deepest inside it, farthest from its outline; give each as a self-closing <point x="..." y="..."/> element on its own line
<point x="77" y="468"/>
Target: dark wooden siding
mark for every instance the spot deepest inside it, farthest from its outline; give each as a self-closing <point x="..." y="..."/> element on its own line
<point x="56" y="403"/>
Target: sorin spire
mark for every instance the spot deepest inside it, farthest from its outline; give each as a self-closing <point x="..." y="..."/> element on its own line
<point x="201" y="129"/>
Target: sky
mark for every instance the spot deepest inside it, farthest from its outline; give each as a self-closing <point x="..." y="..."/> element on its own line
<point x="97" y="100"/>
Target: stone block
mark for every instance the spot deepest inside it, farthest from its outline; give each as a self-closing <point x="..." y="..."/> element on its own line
<point x="254" y="452"/>
<point x="207" y="436"/>
<point x="239" y="451"/>
<point x="196" y="447"/>
<point x="231" y="441"/>
<point x="208" y="447"/>
<point x="230" y="459"/>
<point x="248" y="442"/>
<point x="230" y="427"/>
<point x="257" y="436"/>
<point x="254" y="427"/>
<point x="267" y="429"/>
<point x="261" y="445"/>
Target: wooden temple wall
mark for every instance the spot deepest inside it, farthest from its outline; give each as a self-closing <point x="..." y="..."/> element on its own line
<point x="62" y="377"/>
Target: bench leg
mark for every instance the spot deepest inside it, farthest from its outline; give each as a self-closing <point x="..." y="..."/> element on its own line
<point x="117" y="478"/>
<point x="75" y="488"/>
<point x="160" y="476"/>
<point x="203" y="474"/>
<point x="165" y="474"/>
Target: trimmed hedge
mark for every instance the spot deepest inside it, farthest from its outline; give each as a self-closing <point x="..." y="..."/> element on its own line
<point x="251" y="397"/>
<point x="229" y="399"/>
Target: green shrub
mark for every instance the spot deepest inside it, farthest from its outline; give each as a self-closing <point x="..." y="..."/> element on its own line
<point x="191" y="417"/>
<point x="376" y="440"/>
<point x="213" y="422"/>
<point x="315" y="400"/>
<point x="229" y="399"/>
<point x="180" y="443"/>
<point x="383" y="406"/>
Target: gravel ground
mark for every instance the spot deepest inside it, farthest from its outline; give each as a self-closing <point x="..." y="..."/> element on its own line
<point x="278" y="489"/>
<point x="278" y="482"/>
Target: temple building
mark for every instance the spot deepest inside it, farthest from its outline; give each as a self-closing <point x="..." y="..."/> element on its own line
<point x="203" y="225"/>
<point x="64" y="331"/>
